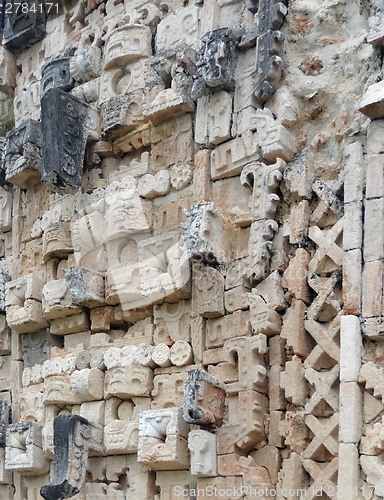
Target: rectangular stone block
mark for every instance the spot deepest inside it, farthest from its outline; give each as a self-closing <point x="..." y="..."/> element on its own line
<point x="375" y="177"/>
<point x="373" y="230"/>
<point x="353" y="222"/>
<point x="350" y="418"/>
<point x="352" y="277"/>
<point x="350" y="348"/>
<point x="349" y="479"/>
<point x="219" y="330"/>
<point x="372" y="303"/>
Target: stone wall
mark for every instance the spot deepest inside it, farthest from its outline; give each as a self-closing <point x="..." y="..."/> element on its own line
<point x="191" y="248"/>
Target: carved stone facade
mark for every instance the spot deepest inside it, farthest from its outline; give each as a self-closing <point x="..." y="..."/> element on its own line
<point x="191" y="250"/>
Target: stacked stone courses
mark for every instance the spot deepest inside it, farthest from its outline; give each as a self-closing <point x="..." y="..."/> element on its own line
<point x="192" y="250"/>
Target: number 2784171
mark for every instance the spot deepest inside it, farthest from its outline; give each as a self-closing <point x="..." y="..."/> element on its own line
<point x="25" y="8"/>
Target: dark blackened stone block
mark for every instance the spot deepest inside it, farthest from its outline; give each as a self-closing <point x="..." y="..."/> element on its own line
<point x="24" y="26"/>
<point x="4" y="420"/>
<point x="3" y="143"/>
<point x="23" y="155"/>
<point x="216" y="63"/>
<point x="4" y="278"/>
<point x="65" y="135"/>
<point x="73" y="437"/>
<point x="2" y="7"/>
<point x="56" y="74"/>
<point x="36" y="346"/>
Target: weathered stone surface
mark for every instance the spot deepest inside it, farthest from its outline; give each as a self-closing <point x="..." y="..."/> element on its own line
<point x="56" y="74"/>
<point x="204" y="399"/>
<point x="23" y="29"/>
<point x="202" y="445"/>
<point x="23" y="155"/>
<point x="74" y="437"/>
<point x="36" y="347"/>
<point x="64" y="139"/>
<point x="23" y="452"/>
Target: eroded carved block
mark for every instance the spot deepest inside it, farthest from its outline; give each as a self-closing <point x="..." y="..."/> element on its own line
<point x="23" y="304"/>
<point x="24" y="449"/>
<point x="125" y="382"/>
<point x="67" y="123"/>
<point x="36" y="347"/>
<point x="178" y="28"/>
<point x="207" y="291"/>
<point x="23" y="155"/>
<point x="263" y="318"/>
<point x="74" y="437"/>
<point x="121" y="435"/>
<point x="8" y="71"/>
<point x="4" y="420"/>
<point x="248" y="354"/>
<point x="4" y="278"/>
<point x="202" y="445"/>
<point x="88" y="384"/>
<point x="122" y="113"/>
<point x="172" y="322"/>
<point x="23" y="29"/>
<point x="5" y="210"/>
<point x="87" y="287"/>
<point x="215" y="67"/>
<point x="163" y="441"/>
<point x="205" y="237"/>
<point x="168" y="390"/>
<point x="204" y="399"/>
<point x="56" y="74"/>
<point x="57" y="300"/>
<point x="127" y="43"/>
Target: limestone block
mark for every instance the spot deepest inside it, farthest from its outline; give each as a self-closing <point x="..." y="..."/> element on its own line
<point x="207" y="291"/>
<point x="260" y="248"/>
<point x="245" y="427"/>
<point x="86" y="287"/>
<point x="376" y="32"/>
<point x="371" y="407"/>
<point x="36" y="347"/>
<point x="270" y="458"/>
<point x="324" y="446"/>
<point x="353" y="182"/>
<point x="5" y="334"/>
<point x="293" y="329"/>
<point x="235" y="465"/>
<point x="275" y="434"/>
<point x="373" y="378"/>
<point x="216" y="63"/>
<point x="293" y="476"/>
<point x="171" y="142"/>
<point x="219" y="330"/>
<point x="122" y="114"/>
<point x="293" y="382"/>
<point x="93" y="411"/>
<point x="172" y="483"/>
<point x="349" y="480"/>
<point x="26" y="106"/>
<point x="228" y="160"/>
<point x="172" y="322"/>
<point x="88" y="384"/>
<point x="299" y="175"/>
<point x="26" y="318"/>
<point x="128" y="381"/>
<point x="214" y="118"/>
<point x="57" y="391"/>
<point x="373" y="468"/>
<point x="170" y="82"/>
<point x="141" y="481"/>
<point x="161" y="355"/>
<point x="204" y="399"/>
<point x="296" y="275"/>
<point x="324" y="400"/>
<point x="121" y="435"/>
<point x="57" y="241"/>
<point x="76" y="437"/>
<point x="248" y="354"/>
<point x="372" y="296"/>
<point x="71" y="324"/>
<point x="86" y="62"/>
<point x="58" y="365"/>
<point x="103" y="319"/>
<point x="181" y="176"/>
<point x="205" y="236"/>
<point x="5" y="475"/>
<point x="275" y="391"/>
<point x="23" y="155"/>
<point x="371" y="104"/>
<point x="178" y="28"/>
<point x="163" y="441"/>
<point x="126" y="44"/>
<point x="350" y="349"/>
<point x="236" y="299"/>
<point x="263" y="318"/>
<point x="230" y="486"/>
<point x="168" y="390"/>
<point x="202" y="445"/>
<point x="24" y="452"/>
<point x="181" y="353"/>
<point x="373" y="240"/>
<point x="151" y="186"/>
<point x="4" y="419"/>
<point x="8" y="71"/>
<point x="57" y="300"/>
<point x="5" y="210"/>
<point x="273" y="138"/>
